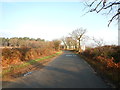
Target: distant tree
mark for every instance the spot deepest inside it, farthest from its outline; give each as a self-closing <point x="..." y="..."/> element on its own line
<point x="7" y="42"/>
<point x="78" y="34"/>
<point x="26" y="38"/>
<point x="111" y="6"/>
<point x="64" y="42"/>
<point x="20" y="42"/>
<point x="13" y="41"/>
<point x="0" y="41"/>
<point x="71" y="42"/>
<point x="98" y="42"/>
<point x="56" y="44"/>
<point x="3" y="41"/>
<point x="39" y="39"/>
<point x="74" y="43"/>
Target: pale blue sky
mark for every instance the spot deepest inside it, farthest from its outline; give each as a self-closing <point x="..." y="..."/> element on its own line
<point x="51" y="20"/>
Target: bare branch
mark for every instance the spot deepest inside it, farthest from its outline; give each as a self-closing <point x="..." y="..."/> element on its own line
<point x="99" y="42"/>
<point x="113" y="18"/>
<point x="110" y="6"/>
<point x="95" y="9"/>
<point x="92" y="3"/>
<point x="110" y="10"/>
<point x="116" y="3"/>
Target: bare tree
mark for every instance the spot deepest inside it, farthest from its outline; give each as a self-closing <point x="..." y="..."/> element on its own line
<point x="56" y="44"/>
<point x="99" y="42"/>
<point x="13" y="41"/>
<point x="78" y="34"/>
<point x="111" y="6"/>
<point x="64" y="42"/>
<point x="69" y="41"/>
<point x="74" y="43"/>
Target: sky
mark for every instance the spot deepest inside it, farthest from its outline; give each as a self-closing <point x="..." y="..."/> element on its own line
<point x="53" y="20"/>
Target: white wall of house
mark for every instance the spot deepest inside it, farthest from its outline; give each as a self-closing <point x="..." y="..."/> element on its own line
<point x="83" y="47"/>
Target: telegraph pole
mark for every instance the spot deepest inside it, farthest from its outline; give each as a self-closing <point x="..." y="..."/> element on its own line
<point x="119" y="26"/>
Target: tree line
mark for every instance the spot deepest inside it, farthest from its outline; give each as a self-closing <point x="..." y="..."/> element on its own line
<point x="18" y="42"/>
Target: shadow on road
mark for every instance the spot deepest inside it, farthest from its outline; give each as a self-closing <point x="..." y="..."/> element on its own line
<point x="12" y="84"/>
<point x="65" y="71"/>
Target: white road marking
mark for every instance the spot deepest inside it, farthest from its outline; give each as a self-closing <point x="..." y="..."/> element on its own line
<point x="71" y="55"/>
<point x="27" y="73"/>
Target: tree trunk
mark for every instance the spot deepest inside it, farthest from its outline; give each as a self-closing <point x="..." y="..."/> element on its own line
<point x="79" y="47"/>
<point x="65" y="47"/>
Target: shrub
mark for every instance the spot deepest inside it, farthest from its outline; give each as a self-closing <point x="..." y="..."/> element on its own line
<point x="19" y="55"/>
<point x="106" y="60"/>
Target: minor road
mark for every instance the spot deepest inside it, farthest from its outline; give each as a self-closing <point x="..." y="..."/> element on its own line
<point x="66" y="71"/>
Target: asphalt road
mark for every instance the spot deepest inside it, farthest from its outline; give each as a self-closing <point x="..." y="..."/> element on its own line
<point x="66" y="71"/>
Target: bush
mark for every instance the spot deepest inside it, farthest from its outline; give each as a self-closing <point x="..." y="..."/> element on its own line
<point x="19" y="55"/>
<point x="106" y="61"/>
<point x="105" y="51"/>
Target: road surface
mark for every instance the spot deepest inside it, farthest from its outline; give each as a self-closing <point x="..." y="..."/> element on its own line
<point x="66" y="71"/>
